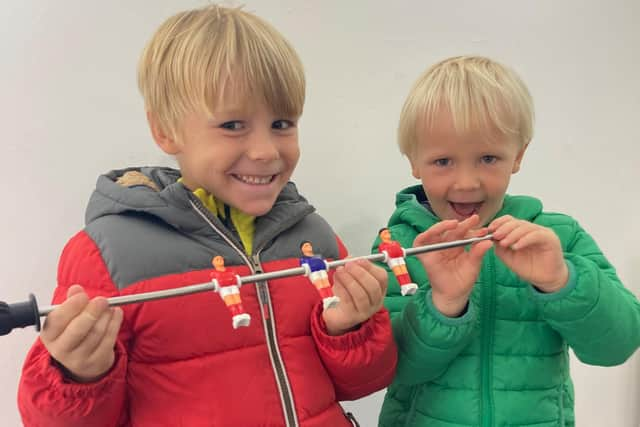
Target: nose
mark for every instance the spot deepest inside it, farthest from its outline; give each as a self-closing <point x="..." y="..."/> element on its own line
<point x="262" y="146"/>
<point x="466" y="179"/>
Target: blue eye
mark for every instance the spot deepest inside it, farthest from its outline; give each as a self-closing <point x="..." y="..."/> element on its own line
<point x="442" y="162"/>
<point x="282" y="124"/>
<point x="232" y="125"/>
<point x="488" y="160"/>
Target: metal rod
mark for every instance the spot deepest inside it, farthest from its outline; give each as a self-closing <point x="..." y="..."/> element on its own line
<point x="446" y="245"/>
<point x="298" y="271"/>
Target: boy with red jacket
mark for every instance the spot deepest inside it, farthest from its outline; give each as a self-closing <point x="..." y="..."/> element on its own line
<point x="223" y="93"/>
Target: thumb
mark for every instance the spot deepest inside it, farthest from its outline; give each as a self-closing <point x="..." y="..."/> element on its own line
<point x="434" y="234"/>
<point x="74" y="290"/>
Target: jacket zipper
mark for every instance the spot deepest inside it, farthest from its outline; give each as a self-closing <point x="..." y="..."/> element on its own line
<point x="488" y="324"/>
<point x="266" y="313"/>
<point x="286" y="397"/>
<point x="411" y="415"/>
<point x="561" y="404"/>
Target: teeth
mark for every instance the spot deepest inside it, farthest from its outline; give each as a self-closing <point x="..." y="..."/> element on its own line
<point x="255" y="180"/>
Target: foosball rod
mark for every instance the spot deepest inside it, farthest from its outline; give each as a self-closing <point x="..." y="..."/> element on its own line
<point x="28" y="313"/>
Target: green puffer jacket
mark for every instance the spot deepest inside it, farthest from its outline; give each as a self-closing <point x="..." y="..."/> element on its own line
<point x="505" y="362"/>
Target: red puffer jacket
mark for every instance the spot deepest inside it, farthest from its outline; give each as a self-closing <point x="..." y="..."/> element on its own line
<point x="179" y="361"/>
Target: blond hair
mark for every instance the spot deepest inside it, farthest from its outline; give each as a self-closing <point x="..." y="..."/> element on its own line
<point x="479" y="93"/>
<point x="196" y="55"/>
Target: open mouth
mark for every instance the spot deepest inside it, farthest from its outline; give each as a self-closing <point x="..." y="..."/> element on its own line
<point x="255" y="179"/>
<point x="465" y="209"/>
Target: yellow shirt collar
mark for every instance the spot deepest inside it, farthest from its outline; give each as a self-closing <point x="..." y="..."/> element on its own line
<point x="243" y="223"/>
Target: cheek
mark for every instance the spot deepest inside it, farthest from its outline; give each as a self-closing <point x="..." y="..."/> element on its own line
<point x="503" y="181"/>
<point x="292" y="154"/>
<point x="296" y="152"/>
<point x="437" y="196"/>
<point x="433" y="185"/>
<point x="497" y="185"/>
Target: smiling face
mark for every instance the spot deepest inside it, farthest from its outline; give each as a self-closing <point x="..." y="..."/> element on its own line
<point x="464" y="173"/>
<point x="223" y="92"/>
<point x="242" y="155"/>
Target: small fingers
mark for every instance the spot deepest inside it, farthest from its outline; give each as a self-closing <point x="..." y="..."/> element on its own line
<point x="340" y="291"/>
<point x="373" y="280"/>
<point x="81" y="325"/>
<point x="463" y="229"/>
<point x="97" y="333"/>
<point x="515" y="235"/>
<point x="351" y="275"/>
<point x="496" y="223"/>
<point x="478" y="232"/>
<point x="451" y="230"/>
<point x="58" y="320"/>
<point x="111" y="332"/>
<point x="471" y="221"/>
<point x="379" y="274"/>
<point x="74" y="289"/>
<point x="505" y="227"/>
<point x="435" y="233"/>
<point x="535" y="236"/>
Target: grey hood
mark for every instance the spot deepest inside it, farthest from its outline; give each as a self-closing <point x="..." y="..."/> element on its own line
<point x="135" y="224"/>
<point x="171" y="202"/>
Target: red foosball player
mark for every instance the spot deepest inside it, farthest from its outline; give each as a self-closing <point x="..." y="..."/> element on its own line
<point x="227" y="284"/>
<point x="394" y="257"/>
<point x="316" y="269"/>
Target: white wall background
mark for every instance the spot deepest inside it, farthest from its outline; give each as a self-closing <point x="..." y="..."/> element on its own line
<point x="69" y="110"/>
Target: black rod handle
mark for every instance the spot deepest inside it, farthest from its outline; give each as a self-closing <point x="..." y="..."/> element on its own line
<point x="19" y="315"/>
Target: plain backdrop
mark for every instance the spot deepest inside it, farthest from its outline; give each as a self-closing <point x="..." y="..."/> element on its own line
<point x="70" y="109"/>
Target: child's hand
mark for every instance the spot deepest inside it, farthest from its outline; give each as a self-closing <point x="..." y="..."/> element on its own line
<point x="81" y="335"/>
<point x="361" y="287"/>
<point x="531" y="251"/>
<point x="452" y="272"/>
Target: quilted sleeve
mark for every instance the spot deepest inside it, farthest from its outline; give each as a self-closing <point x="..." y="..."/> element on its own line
<point x="45" y="396"/>
<point x="359" y="362"/>
<point x="427" y="340"/>
<point x="594" y="312"/>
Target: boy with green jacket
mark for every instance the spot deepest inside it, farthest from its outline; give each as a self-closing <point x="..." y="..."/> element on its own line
<point x="484" y="342"/>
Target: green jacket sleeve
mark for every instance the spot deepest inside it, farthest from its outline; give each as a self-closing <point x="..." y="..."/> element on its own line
<point x="597" y="316"/>
<point x="427" y="340"/>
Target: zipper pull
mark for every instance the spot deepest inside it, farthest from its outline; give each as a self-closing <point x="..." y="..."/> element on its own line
<point x="262" y="286"/>
<point x="264" y="296"/>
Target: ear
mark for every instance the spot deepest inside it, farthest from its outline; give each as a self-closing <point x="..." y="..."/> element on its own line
<point x="518" y="159"/>
<point x="166" y="142"/>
